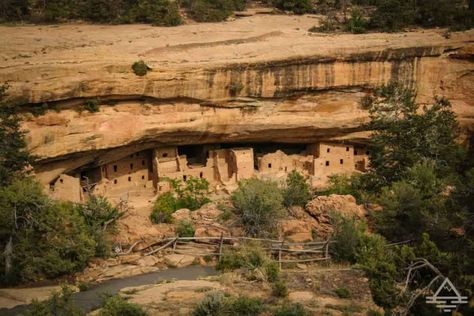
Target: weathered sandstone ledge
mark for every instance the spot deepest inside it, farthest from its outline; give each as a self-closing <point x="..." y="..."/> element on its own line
<point x="258" y="79"/>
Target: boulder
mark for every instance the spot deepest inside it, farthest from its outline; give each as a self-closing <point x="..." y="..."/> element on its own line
<point x="182" y="215"/>
<point x="296" y="230"/>
<point x="178" y="261"/>
<point x="211" y="230"/>
<point x="321" y="207"/>
<point x="208" y="212"/>
<point x="342" y="204"/>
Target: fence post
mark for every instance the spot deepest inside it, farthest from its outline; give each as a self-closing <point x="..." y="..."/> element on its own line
<point x="279" y="254"/>
<point x="174" y="243"/>
<point x="326" y="249"/>
<point x="220" y="245"/>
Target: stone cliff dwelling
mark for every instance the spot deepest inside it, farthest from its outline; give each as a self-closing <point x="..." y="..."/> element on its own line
<point x="221" y="165"/>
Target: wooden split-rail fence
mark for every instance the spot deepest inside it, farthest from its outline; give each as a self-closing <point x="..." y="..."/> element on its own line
<point x="283" y="251"/>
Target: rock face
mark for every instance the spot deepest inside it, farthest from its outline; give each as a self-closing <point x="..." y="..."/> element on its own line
<point x="270" y="81"/>
<point x="321" y="207"/>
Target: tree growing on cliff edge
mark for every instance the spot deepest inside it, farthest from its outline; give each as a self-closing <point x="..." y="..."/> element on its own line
<point x="404" y="134"/>
<point x="14" y="158"/>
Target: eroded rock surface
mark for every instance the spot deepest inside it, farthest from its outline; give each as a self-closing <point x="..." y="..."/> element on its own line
<point x="256" y="79"/>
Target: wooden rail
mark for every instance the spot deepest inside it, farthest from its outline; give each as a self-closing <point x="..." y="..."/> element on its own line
<point x="311" y="251"/>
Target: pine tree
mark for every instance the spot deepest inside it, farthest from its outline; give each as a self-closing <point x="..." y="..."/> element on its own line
<point x="14" y="158"/>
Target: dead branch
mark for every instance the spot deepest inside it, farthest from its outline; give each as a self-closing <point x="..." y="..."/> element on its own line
<point x="131" y="248"/>
<point x="162" y="247"/>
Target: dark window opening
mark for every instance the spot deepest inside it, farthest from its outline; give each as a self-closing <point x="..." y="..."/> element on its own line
<point x="185" y="178"/>
<point x="328" y="150"/>
<point x="286" y="169"/>
<point x="115" y="181"/>
<point x="327" y="163"/>
<point x="341" y="161"/>
<point x="131" y="166"/>
<point x="61" y="180"/>
<point x="347" y="148"/>
<point x="143" y="177"/>
<point x="367" y="152"/>
<point x="165" y="155"/>
<point x="129" y="179"/>
<point x="115" y="168"/>
<point x="201" y="175"/>
<point x="143" y="162"/>
<point x="269" y="165"/>
<point x="131" y="156"/>
<point x="355" y="152"/>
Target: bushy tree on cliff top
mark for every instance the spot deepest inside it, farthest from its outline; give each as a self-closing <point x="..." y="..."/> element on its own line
<point x="14" y="158"/>
<point x="404" y="135"/>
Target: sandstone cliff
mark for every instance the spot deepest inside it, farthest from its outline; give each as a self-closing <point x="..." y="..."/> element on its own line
<point x="257" y="79"/>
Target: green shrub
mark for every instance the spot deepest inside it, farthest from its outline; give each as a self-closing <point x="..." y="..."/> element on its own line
<point x="40" y="238"/>
<point x="158" y="12"/>
<point x="250" y="256"/>
<point x="272" y="271"/>
<point x="216" y="304"/>
<point x="212" y="304"/>
<point x="327" y="25"/>
<point x="185" y="229"/>
<point x="140" y="68"/>
<point x="83" y="286"/>
<point x="59" y="303"/>
<point x="191" y="194"/>
<point x="343" y="292"/>
<point x="117" y="306"/>
<point x="294" y="309"/>
<point x="164" y="206"/>
<point x="346" y="238"/>
<point x="295" y="6"/>
<point x="100" y="217"/>
<point x="214" y="10"/>
<point x="91" y="105"/>
<point x="392" y="15"/>
<point x="279" y="288"/>
<point x="260" y="205"/>
<point x="357" y="24"/>
<point x="297" y="190"/>
<point x="245" y="306"/>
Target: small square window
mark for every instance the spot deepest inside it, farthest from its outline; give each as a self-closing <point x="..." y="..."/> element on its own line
<point x="328" y="150"/>
<point x="347" y="148"/>
<point x="115" y="168"/>
<point x="115" y="181"/>
<point x="269" y="165"/>
<point x="129" y="179"/>
<point x="143" y="177"/>
<point x="341" y="161"/>
<point x="165" y="155"/>
<point x="327" y="163"/>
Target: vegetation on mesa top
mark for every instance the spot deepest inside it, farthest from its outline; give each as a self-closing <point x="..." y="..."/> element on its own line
<point x="385" y="15"/>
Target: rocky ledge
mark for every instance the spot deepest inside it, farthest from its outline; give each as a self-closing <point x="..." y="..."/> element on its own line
<point x="256" y="79"/>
